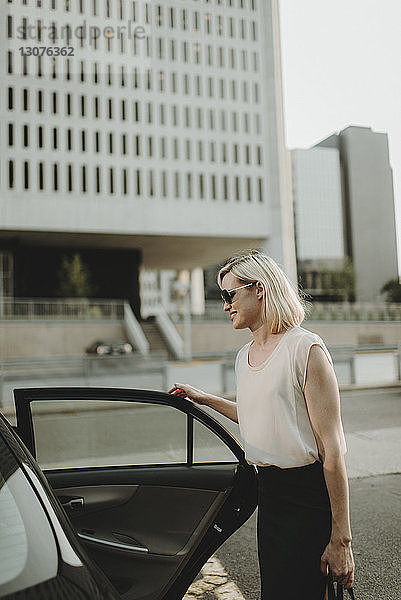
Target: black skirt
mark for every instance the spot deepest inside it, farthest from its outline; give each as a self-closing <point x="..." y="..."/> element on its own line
<point x="294" y="527"/>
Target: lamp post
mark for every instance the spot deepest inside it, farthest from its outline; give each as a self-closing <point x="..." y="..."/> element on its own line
<point x="182" y="289"/>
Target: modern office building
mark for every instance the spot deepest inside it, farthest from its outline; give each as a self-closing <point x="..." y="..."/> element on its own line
<point x="141" y="135"/>
<point x="344" y="212"/>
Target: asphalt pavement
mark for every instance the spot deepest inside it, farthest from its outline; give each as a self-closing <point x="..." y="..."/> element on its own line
<point x="372" y="423"/>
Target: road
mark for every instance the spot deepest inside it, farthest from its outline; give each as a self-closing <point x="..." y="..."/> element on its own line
<point x="372" y="422"/>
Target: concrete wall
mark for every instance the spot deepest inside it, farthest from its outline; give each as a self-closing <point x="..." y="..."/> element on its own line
<point x="221" y="337"/>
<point x="43" y="339"/>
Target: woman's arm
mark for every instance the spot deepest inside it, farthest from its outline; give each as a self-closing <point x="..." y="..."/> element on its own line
<point x="223" y="406"/>
<point x="323" y="403"/>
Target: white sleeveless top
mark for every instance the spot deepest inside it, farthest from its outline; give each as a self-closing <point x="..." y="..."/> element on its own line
<point x="272" y="412"/>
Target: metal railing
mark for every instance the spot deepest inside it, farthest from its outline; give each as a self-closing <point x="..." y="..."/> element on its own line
<point x="330" y="311"/>
<point x="30" y="309"/>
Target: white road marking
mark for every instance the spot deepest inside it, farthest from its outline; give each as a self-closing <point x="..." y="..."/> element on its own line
<point x="214" y="580"/>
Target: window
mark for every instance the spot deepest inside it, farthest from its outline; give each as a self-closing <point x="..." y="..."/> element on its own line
<point x="39" y="101"/>
<point x="9" y="62"/>
<point x="41" y="178"/>
<point x="110" y="108"/>
<point x="237" y="188"/>
<point x="26" y="175"/>
<point x="249" y="189"/>
<point x="188" y="149"/>
<point x="151" y="188"/>
<point x="69" y="178"/>
<point x="25" y="66"/>
<point x="40" y="136"/>
<point x="9" y="26"/>
<point x="25" y="99"/>
<point x="136" y="111"/>
<point x="97" y="180"/>
<point x="96" y="107"/>
<point x="83" y="140"/>
<point x="260" y="189"/>
<point x="163" y="146"/>
<point x="55" y="138"/>
<point x="97" y="142"/>
<point x="68" y="69"/>
<point x="201" y="186"/>
<point x="200" y="150"/>
<point x="111" y="143"/>
<point x="25" y="135"/>
<point x="225" y="187"/>
<point x="69" y="140"/>
<point x="68" y="104"/>
<point x="54" y="102"/>
<point x="164" y="184"/>
<point x="177" y="184"/>
<point x="213" y="187"/>
<point x="10" y="98"/>
<point x="189" y="185"/>
<point x="162" y="114"/>
<point x="137" y="145"/>
<point x="10" y="134"/>
<point x="123" y="144"/>
<point x="187" y="116"/>
<point x="212" y="151"/>
<point x="138" y="182"/>
<point x="125" y="181"/>
<point x="83" y="179"/>
<point x="224" y="152"/>
<point x="176" y="154"/>
<point x="174" y="115"/>
<point x="95" y="73"/>
<point x="173" y="83"/>
<point x="83" y="106"/>
<point x="55" y="177"/>
<point x="161" y="79"/>
<point x="10" y="174"/>
<point x="256" y="92"/>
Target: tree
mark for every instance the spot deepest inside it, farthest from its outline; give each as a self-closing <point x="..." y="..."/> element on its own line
<point x="74" y="278"/>
<point x="392" y="290"/>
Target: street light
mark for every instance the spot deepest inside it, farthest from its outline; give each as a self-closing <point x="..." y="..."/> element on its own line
<point x="182" y="290"/>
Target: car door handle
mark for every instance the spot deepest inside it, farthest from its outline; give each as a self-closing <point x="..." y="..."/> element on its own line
<point x="73" y="504"/>
<point x="109" y="543"/>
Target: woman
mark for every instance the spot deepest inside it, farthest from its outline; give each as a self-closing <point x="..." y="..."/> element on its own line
<point x="288" y="410"/>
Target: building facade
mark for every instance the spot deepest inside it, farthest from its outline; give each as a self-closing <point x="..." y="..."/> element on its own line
<point x="141" y="135"/>
<point x="345" y="214"/>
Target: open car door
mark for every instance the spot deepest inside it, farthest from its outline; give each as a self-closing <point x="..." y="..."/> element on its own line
<point x="152" y="484"/>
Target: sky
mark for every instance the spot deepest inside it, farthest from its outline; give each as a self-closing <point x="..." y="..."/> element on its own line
<point x="341" y="62"/>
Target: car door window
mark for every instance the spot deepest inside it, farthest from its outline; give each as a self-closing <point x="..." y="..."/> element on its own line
<point x="94" y="433"/>
<point x="208" y="448"/>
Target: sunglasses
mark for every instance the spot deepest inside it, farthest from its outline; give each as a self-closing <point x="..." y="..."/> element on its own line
<point x="228" y="295"/>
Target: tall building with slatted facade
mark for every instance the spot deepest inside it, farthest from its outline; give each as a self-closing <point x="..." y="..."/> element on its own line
<point x="141" y="135"/>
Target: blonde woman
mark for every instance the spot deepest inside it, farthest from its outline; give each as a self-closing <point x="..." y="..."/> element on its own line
<point x="288" y="410"/>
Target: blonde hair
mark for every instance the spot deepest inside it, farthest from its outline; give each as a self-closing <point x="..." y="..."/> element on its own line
<point x="284" y="305"/>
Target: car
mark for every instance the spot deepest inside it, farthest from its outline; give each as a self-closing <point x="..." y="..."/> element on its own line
<point x="109" y="347"/>
<point x="113" y="494"/>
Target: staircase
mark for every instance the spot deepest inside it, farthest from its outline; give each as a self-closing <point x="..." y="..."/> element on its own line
<point x="155" y="339"/>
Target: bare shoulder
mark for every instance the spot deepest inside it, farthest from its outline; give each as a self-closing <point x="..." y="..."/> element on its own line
<point x="319" y="367"/>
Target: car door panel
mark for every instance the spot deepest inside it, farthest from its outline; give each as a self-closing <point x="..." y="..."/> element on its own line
<point x="149" y="527"/>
